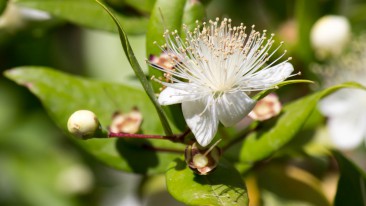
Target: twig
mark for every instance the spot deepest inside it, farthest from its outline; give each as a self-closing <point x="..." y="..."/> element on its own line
<point x="173" y="138"/>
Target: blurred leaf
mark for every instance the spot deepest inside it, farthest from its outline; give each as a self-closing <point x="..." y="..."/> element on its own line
<point x="166" y="14"/>
<point x="290" y="186"/>
<point x="304" y="21"/>
<point x="141" y="5"/>
<point x="351" y="188"/>
<point x="224" y="186"/>
<point x="28" y="176"/>
<point x="193" y="11"/>
<point x="86" y="13"/>
<point x="63" y="94"/>
<point x="3" y="4"/>
<point x="264" y="143"/>
<point x="138" y="72"/>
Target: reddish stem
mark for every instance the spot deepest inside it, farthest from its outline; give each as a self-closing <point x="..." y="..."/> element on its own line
<point x="173" y="138"/>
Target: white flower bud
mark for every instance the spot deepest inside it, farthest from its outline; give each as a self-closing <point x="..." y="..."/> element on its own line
<point x="83" y="123"/>
<point x="329" y="35"/>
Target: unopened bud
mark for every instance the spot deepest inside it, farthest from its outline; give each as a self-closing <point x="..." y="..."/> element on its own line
<point x="202" y="160"/>
<point x="266" y="108"/>
<point x="329" y="35"/>
<point x="83" y="124"/>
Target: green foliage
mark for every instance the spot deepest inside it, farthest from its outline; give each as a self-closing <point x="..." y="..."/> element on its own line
<point x="87" y="13"/>
<point x="224" y="186"/>
<point x="263" y="143"/>
<point x="305" y="20"/>
<point x="351" y="188"/>
<point x="3" y="4"/>
<point x="289" y="185"/>
<point x="63" y="94"/>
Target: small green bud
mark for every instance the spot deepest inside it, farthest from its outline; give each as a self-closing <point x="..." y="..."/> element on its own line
<point x="83" y="124"/>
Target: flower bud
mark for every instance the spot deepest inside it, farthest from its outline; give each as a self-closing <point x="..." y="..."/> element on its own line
<point x="266" y="108"/>
<point x="84" y="124"/>
<point x="202" y="160"/>
<point x="126" y="123"/>
<point x="329" y="35"/>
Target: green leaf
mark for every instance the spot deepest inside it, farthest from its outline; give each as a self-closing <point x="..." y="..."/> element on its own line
<point x="289" y="185"/>
<point x="264" y="143"/>
<point x="3" y="4"/>
<point x="63" y="94"/>
<point x="141" y="5"/>
<point x="305" y="21"/>
<point x="193" y="11"/>
<point x="86" y="13"/>
<point x="264" y="93"/>
<point x="138" y="71"/>
<point x="224" y="186"/>
<point x="351" y="188"/>
<point x="166" y="14"/>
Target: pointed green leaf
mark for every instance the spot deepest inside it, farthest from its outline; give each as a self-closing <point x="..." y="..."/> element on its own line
<point x="264" y="143"/>
<point x="224" y="186"/>
<point x="264" y="93"/>
<point x="63" y="94"/>
<point x="86" y="13"/>
<point x="351" y="189"/>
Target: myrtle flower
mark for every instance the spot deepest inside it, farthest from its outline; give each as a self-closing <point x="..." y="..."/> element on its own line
<point x="346" y="109"/>
<point x="217" y="67"/>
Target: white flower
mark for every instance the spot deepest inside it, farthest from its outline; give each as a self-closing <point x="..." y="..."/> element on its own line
<point x="329" y="35"/>
<point x="346" y="109"/>
<point x="218" y="66"/>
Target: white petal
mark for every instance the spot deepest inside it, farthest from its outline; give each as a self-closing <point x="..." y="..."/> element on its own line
<point x="233" y="107"/>
<point x="174" y="96"/>
<point x="347" y="131"/>
<point x="335" y="104"/>
<point x="342" y="101"/>
<point x="269" y="77"/>
<point x="201" y="120"/>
